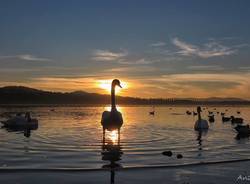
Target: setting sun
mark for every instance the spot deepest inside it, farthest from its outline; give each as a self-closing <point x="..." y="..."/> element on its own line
<point x="106" y="85"/>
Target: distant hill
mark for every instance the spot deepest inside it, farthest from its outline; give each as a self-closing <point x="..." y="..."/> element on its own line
<point x="10" y="95"/>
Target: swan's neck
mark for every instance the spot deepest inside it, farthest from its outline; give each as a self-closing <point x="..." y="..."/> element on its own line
<point x="199" y="115"/>
<point x="113" y="106"/>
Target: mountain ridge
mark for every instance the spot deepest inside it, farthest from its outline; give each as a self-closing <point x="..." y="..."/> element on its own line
<point x="27" y="95"/>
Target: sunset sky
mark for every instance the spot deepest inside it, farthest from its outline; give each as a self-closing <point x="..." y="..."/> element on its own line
<point x="167" y="48"/>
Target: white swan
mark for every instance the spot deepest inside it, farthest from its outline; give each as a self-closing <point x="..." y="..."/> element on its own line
<point x="200" y="124"/>
<point x="20" y="121"/>
<point x="112" y="120"/>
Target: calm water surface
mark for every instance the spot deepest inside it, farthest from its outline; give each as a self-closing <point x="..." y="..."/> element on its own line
<point x="71" y="137"/>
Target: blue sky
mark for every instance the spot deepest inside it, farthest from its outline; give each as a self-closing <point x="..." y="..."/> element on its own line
<point x="158" y="48"/>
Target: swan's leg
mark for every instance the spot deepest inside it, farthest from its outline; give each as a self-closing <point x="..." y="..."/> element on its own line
<point x="118" y="136"/>
<point x="103" y="136"/>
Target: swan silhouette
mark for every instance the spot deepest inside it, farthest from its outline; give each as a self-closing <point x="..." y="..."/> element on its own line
<point x="112" y="120"/>
<point x="200" y="124"/>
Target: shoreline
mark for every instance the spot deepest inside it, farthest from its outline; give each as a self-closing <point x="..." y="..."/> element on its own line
<point x="223" y="173"/>
<point x="174" y="166"/>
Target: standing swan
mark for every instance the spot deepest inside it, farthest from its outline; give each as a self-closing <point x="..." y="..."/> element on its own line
<point x="112" y="120"/>
<point x="200" y="124"/>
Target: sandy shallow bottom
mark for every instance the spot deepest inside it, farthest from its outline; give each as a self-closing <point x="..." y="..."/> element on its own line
<point x="222" y="173"/>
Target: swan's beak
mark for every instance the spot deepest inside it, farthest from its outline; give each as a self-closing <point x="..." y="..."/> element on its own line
<point x="120" y="85"/>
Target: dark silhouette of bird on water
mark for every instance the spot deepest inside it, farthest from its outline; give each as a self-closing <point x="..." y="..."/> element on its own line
<point x="112" y="120"/>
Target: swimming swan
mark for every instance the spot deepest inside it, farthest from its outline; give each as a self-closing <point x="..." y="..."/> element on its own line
<point x="200" y="124"/>
<point x="112" y="120"/>
<point x="20" y="121"/>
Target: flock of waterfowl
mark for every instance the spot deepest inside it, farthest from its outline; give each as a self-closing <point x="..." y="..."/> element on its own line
<point x="240" y="126"/>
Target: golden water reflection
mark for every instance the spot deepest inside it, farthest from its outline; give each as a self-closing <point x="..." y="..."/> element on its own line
<point x="112" y="136"/>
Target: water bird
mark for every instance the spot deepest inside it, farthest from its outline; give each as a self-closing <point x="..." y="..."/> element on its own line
<point x="195" y="113"/>
<point x="243" y="130"/>
<point x="210" y="112"/>
<point x="236" y="120"/>
<point x="179" y="156"/>
<point x="225" y="119"/>
<point x="112" y="120"/>
<point x="20" y="121"/>
<point x="211" y="118"/>
<point x="167" y="153"/>
<point x="188" y="112"/>
<point x="238" y="112"/>
<point x="152" y="113"/>
<point x="200" y="124"/>
<point x="222" y="113"/>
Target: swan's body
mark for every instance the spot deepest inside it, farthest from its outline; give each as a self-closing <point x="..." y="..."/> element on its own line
<point x="200" y="124"/>
<point x="20" y="121"/>
<point x="112" y="120"/>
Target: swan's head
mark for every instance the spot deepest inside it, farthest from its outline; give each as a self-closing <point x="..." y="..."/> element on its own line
<point x="116" y="82"/>
<point x="199" y="109"/>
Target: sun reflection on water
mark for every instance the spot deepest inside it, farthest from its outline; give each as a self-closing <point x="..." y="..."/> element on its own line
<point x="113" y="136"/>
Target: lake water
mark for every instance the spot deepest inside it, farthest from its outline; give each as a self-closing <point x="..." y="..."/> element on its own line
<point x="71" y="137"/>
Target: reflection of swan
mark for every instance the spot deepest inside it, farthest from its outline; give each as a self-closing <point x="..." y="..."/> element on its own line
<point x="20" y="121"/>
<point x="112" y="119"/>
<point x="200" y="124"/>
<point x="111" y="153"/>
<point x="25" y="129"/>
<point x="199" y="139"/>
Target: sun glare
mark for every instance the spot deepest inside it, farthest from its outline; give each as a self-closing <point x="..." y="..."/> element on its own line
<point x="106" y="85"/>
<point x="113" y="136"/>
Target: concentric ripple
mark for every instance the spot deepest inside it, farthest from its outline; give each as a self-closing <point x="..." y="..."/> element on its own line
<point x="71" y="137"/>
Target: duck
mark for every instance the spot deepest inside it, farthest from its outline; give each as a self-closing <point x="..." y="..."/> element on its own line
<point x="195" y="113"/>
<point x="243" y="129"/>
<point x="236" y="120"/>
<point x="188" y="112"/>
<point x="211" y="118"/>
<point x="210" y="112"/>
<point x="152" y="113"/>
<point x="225" y="119"/>
<point x="112" y="120"/>
<point x="20" y="121"/>
<point x="200" y="124"/>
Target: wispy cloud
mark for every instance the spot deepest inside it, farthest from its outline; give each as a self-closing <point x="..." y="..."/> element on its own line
<point x="210" y="49"/>
<point x="158" y="44"/>
<point x="141" y="61"/>
<point x="106" y="55"/>
<point x="206" y="67"/>
<point x="25" y="57"/>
